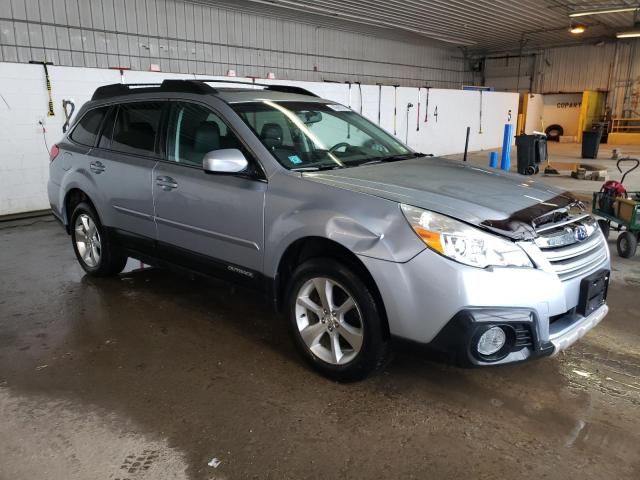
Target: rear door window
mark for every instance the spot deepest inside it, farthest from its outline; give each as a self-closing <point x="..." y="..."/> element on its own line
<point x="86" y="132"/>
<point x="136" y="128"/>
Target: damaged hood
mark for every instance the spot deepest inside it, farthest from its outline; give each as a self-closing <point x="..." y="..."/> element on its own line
<point x="507" y="204"/>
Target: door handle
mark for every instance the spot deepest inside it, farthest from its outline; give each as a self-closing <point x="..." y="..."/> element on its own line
<point x="166" y="183"/>
<point x="96" y="167"/>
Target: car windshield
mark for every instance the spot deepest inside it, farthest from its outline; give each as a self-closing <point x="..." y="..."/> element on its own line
<point x="308" y="136"/>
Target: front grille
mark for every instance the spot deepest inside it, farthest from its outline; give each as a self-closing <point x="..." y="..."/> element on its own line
<point x="576" y="259"/>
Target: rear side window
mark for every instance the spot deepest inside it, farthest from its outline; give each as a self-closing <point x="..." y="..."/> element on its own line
<point x="135" y="129"/>
<point x="87" y="129"/>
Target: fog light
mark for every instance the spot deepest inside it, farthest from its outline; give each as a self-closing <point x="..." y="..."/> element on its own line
<point x="491" y="341"/>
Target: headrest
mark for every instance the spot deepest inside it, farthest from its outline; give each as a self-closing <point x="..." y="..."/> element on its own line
<point x="207" y="137"/>
<point x="271" y="134"/>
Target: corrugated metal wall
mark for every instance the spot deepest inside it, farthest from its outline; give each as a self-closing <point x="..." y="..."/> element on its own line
<point x="514" y="73"/>
<point x="624" y="96"/>
<point x="613" y="67"/>
<point x="186" y="37"/>
<point x="574" y="69"/>
<point x="564" y="69"/>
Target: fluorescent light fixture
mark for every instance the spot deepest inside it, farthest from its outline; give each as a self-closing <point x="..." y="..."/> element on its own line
<point x="577" y="28"/>
<point x="630" y="34"/>
<point x="584" y="13"/>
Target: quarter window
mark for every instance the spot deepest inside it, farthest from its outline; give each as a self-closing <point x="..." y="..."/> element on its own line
<point x="86" y="131"/>
<point x="194" y="130"/>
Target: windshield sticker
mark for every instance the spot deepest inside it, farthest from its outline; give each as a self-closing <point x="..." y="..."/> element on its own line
<point x="336" y="107"/>
<point x="295" y="159"/>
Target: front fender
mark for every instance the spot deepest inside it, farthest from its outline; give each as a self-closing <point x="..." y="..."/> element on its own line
<point x="366" y="225"/>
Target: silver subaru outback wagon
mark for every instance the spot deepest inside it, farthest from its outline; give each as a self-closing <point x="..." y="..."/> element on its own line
<point x="356" y="238"/>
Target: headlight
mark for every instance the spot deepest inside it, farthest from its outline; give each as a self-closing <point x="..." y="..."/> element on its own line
<point x="463" y="243"/>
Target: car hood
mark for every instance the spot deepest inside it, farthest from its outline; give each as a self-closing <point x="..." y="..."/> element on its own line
<point x="505" y="203"/>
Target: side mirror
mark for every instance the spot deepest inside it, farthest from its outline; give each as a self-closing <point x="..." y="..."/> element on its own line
<point x="227" y="160"/>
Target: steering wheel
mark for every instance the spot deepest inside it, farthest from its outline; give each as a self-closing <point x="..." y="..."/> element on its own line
<point x="339" y="145"/>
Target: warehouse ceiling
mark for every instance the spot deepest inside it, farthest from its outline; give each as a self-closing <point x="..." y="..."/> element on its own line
<point x="480" y="25"/>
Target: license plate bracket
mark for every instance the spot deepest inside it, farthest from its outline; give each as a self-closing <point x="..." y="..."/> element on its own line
<point x="593" y="292"/>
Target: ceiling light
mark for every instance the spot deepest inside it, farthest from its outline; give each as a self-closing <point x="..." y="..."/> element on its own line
<point x="629" y="34"/>
<point x="633" y="33"/>
<point x="583" y="13"/>
<point x="577" y="28"/>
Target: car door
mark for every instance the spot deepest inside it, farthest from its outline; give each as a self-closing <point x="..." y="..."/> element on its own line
<point x="127" y="152"/>
<point x="213" y="222"/>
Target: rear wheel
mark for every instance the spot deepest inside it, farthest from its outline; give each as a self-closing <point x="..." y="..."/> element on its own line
<point x="96" y="253"/>
<point x="627" y="244"/>
<point x="335" y="321"/>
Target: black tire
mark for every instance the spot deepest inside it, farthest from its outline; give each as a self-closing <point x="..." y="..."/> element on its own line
<point x="110" y="261"/>
<point x="605" y="227"/>
<point x="554" y="132"/>
<point x="374" y="348"/>
<point x="627" y="244"/>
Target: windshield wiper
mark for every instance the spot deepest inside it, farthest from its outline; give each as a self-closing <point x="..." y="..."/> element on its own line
<point x="371" y="162"/>
<point x="393" y="158"/>
<point x="402" y="156"/>
<point x="315" y="169"/>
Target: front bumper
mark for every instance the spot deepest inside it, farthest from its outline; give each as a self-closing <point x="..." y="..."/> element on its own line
<point x="566" y="332"/>
<point x="430" y="298"/>
<point x="457" y="340"/>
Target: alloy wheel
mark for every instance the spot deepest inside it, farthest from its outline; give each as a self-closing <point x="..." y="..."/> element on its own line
<point x="88" y="240"/>
<point x="329" y="321"/>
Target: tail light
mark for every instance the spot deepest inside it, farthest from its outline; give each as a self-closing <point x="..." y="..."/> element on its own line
<point x="53" y="153"/>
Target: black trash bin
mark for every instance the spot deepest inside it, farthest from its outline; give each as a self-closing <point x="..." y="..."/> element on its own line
<point x="541" y="148"/>
<point x="532" y="149"/>
<point x="591" y="143"/>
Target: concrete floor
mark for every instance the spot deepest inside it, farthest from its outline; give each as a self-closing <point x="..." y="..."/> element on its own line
<point x="569" y="153"/>
<point x="151" y="375"/>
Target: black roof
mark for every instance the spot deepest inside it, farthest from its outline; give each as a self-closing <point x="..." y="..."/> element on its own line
<point x="185" y="86"/>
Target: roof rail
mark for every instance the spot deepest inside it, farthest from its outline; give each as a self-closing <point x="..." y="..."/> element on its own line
<point x="183" y="86"/>
<point x="267" y="86"/>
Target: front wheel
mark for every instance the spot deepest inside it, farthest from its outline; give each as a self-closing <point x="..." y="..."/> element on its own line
<point x="96" y="253"/>
<point x="335" y="320"/>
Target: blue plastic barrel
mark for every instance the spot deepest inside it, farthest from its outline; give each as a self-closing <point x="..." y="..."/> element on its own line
<point x="505" y="163"/>
<point x="493" y="159"/>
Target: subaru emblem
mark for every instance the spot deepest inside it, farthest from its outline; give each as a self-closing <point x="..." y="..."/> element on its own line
<point x="580" y="233"/>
